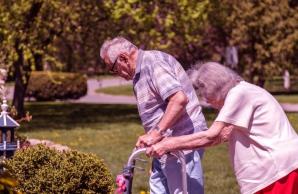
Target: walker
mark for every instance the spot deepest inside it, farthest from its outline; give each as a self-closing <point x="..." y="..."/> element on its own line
<point x="125" y="179"/>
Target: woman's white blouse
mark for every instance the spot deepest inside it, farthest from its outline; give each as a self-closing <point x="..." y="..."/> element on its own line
<point x="264" y="147"/>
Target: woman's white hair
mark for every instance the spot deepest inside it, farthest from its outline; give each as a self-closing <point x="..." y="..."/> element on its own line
<point x="213" y="80"/>
<point x="112" y="48"/>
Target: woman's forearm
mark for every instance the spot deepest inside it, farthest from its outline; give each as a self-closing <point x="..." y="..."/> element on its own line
<point x="188" y="142"/>
<point x="218" y="132"/>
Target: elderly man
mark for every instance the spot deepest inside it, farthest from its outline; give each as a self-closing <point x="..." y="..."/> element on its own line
<point x="167" y="104"/>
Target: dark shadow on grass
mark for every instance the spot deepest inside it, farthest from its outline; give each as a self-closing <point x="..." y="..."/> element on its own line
<point x="210" y="113"/>
<point x="47" y="116"/>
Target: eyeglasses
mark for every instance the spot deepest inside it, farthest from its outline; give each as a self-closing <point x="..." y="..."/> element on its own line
<point x="112" y="70"/>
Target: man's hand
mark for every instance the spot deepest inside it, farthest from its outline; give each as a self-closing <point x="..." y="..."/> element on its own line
<point x="159" y="149"/>
<point x="152" y="137"/>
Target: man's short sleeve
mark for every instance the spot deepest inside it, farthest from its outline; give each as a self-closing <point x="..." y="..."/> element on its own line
<point x="164" y="79"/>
<point x="237" y="109"/>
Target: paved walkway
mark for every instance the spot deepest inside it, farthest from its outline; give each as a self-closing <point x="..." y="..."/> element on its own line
<point x="100" y="98"/>
<point x="290" y="107"/>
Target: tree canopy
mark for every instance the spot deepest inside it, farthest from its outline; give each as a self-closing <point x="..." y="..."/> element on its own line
<point x="172" y="26"/>
<point x="66" y="35"/>
<point x="266" y="33"/>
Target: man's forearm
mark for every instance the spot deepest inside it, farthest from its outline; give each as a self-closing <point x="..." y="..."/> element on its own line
<point x="174" y="110"/>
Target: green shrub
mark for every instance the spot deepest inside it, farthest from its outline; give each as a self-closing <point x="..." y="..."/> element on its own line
<point x="45" y="86"/>
<point x="45" y="171"/>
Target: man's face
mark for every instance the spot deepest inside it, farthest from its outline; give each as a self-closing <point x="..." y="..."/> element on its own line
<point x="121" y="66"/>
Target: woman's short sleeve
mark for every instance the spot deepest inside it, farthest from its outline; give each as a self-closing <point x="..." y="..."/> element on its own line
<point x="237" y="109"/>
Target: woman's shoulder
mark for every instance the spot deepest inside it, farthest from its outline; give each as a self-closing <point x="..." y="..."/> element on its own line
<point x="245" y="91"/>
<point x="248" y="87"/>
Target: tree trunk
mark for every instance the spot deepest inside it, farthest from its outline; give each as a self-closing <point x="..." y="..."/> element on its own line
<point x="21" y="82"/>
<point x="22" y="71"/>
<point x="19" y="96"/>
<point x="38" y="62"/>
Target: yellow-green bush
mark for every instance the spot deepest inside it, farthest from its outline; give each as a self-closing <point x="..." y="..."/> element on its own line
<point x="46" y="86"/>
<point x="7" y="183"/>
<point x="43" y="170"/>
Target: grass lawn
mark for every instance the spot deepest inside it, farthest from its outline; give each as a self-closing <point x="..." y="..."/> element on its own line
<point x="110" y="132"/>
<point x="293" y="98"/>
<point x="102" y="76"/>
<point x="125" y="90"/>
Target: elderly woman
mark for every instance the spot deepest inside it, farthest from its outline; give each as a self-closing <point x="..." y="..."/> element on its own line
<point x="263" y="146"/>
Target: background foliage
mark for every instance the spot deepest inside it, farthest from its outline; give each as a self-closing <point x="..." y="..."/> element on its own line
<point x="66" y="35"/>
<point x="173" y="26"/>
<point x="266" y="33"/>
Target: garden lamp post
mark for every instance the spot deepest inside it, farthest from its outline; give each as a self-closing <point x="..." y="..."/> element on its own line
<point x="8" y="143"/>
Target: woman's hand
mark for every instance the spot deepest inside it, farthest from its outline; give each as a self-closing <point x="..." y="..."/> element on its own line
<point x="224" y="134"/>
<point x="159" y="149"/>
<point x="219" y="132"/>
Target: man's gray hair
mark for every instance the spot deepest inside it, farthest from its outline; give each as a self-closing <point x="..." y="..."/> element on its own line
<point x="112" y="48"/>
<point x="213" y="80"/>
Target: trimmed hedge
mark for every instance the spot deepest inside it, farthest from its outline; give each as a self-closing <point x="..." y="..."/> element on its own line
<point x="42" y="170"/>
<point x="47" y="86"/>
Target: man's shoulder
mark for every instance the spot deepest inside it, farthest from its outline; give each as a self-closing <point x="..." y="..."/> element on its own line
<point x="157" y="54"/>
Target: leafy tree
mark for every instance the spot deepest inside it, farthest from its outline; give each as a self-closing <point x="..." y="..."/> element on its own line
<point x="266" y="33"/>
<point x="78" y="46"/>
<point x="62" y="34"/>
<point x="28" y="30"/>
<point x="174" y="26"/>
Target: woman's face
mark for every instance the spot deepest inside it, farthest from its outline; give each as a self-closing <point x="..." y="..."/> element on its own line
<point x="217" y="104"/>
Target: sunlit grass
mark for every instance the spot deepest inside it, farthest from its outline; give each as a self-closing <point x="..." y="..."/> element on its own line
<point x="110" y="132"/>
<point x="125" y="90"/>
<point x="293" y="98"/>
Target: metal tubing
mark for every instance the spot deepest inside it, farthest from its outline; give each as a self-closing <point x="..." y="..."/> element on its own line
<point x="178" y="154"/>
<point x="134" y="154"/>
<point x="181" y="157"/>
<point x="130" y="168"/>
